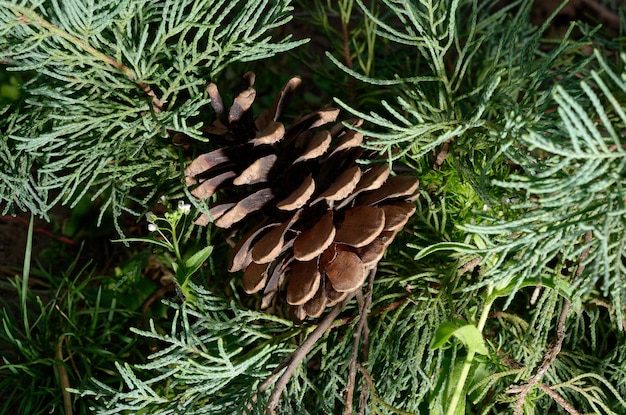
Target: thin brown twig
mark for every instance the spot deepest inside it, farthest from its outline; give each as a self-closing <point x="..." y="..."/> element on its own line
<point x="294" y="359"/>
<point x="553" y="350"/>
<point x="387" y="308"/>
<point x="41" y="231"/>
<point x="365" y="304"/>
<point x="442" y="155"/>
<point x="603" y="14"/>
<point x="365" y="350"/>
<point x="368" y="383"/>
<point x="584" y="254"/>
<point x="155" y="296"/>
<point x="347" y="409"/>
<point x="555" y="347"/>
<point x="559" y="399"/>
<point x="366" y="376"/>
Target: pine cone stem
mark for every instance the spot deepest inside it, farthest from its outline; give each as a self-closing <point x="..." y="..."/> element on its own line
<point x="291" y="362"/>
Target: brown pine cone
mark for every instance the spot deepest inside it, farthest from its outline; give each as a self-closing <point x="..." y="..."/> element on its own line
<point x="314" y="219"/>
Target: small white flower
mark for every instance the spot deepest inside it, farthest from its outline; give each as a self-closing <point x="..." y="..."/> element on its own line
<point x="184" y="207"/>
<point x="151" y="217"/>
<point x="152" y="227"/>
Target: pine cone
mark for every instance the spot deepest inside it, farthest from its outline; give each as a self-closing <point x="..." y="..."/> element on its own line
<point x="314" y="219"/>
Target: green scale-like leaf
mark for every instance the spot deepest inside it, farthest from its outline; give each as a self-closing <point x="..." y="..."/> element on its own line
<point x="107" y="81"/>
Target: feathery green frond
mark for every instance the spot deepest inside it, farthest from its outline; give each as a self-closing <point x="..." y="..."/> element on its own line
<point x="573" y="201"/>
<point x="504" y="294"/>
<point x="535" y="158"/>
<point x="108" y="81"/>
<point x="212" y="353"/>
<point x="471" y="72"/>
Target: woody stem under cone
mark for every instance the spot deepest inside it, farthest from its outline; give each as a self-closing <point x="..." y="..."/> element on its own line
<point x="361" y="329"/>
<point x="295" y="358"/>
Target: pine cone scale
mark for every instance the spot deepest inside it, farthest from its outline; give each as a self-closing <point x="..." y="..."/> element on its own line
<point x="361" y="225"/>
<point x="344" y="185"/>
<point x="300" y="196"/>
<point x="346" y="271"/>
<point x="315" y="306"/>
<point x="255" y="277"/>
<point x="349" y="140"/>
<point x="245" y="206"/>
<point x="275" y="281"/>
<point x="241" y="256"/>
<point x="204" y="163"/>
<point x="397" y="214"/>
<point x="271" y="134"/>
<point x="207" y="187"/>
<point x="315" y="220"/>
<point x="304" y="281"/>
<point x="271" y="244"/>
<point x="394" y="187"/>
<point x="373" y="252"/>
<point x="316" y="146"/>
<point x="257" y="172"/>
<point x="313" y="241"/>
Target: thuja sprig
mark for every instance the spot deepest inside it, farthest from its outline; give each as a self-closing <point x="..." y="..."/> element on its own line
<point x="171" y="237"/>
<point x="113" y="78"/>
<point x="29" y="17"/>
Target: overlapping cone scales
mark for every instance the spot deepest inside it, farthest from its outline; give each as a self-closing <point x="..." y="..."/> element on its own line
<point x="244" y="207"/>
<point x="344" y="269"/>
<point x="343" y="185"/>
<point x="272" y="243"/>
<point x="299" y="196"/>
<point x="397" y="214"/>
<point x="271" y="134"/>
<point x="315" y="146"/>
<point x="254" y="277"/>
<point x="304" y="282"/>
<point x="316" y="221"/>
<point x="361" y="225"/>
<point x="257" y="172"/>
<point x="315" y="306"/>
<point x="313" y="241"/>
<point x="241" y="254"/>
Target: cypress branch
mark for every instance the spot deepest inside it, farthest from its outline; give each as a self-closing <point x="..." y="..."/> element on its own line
<point x="107" y="83"/>
<point x="517" y="143"/>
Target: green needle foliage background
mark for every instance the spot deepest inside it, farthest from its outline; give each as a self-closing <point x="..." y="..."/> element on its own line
<point x="505" y="293"/>
<point x="107" y="80"/>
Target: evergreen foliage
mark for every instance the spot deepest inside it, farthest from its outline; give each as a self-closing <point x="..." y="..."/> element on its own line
<point x="549" y="184"/>
<point x="212" y="360"/>
<point x="106" y="82"/>
<point x="505" y="294"/>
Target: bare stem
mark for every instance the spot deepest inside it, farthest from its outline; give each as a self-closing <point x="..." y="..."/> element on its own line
<point x="467" y="364"/>
<point x="363" y="398"/>
<point x="553" y="350"/>
<point x="345" y="34"/>
<point x="603" y="14"/>
<point x="294" y="359"/>
<point x="364" y="309"/>
<point x="559" y="399"/>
